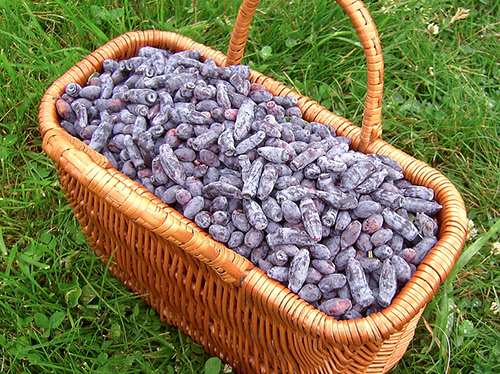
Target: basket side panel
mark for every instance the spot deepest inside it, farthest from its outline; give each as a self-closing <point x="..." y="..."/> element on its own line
<point x="184" y="291"/>
<point x="395" y="347"/>
<point x="241" y="325"/>
<point x="302" y="347"/>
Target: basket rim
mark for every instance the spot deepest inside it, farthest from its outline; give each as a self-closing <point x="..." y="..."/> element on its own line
<point x="379" y="326"/>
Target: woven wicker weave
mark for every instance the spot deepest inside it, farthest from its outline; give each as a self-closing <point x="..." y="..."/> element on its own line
<point x="213" y="294"/>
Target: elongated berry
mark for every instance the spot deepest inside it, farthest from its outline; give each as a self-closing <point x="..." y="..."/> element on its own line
<point x="393" y="200"/>
<point x="236" y="239"/>
<point x="320" y="251"/>
<point x="254" y="238"/>
<point x="295" y="193"/>
<point x="383" y="252"/>
<point x="366" y="208"/>
<point x="272" y="210"/>
<point x="311" y="219"/>
<point x="219" y="233"/>
<point x="343" y="220"/>
<point x="323" y="266"/>
<point x="332" y="282"/>
<point x="356" y="174"/>
<point x="103" y="132"/>
<point x="286" y="235"/>
<point x="422" y="248"/>
<point x="251" y="183"/>
<point x="402" y="268"/>
<point x="310" y="293"/>
<point x="343" y="257"/>
<point x="193" y="207"/>
<point x="306" y="157"/>
<point x="381" y="237"/>
<point x="416" y="205"/>
<point x="244" y="120"/>
<point x="335" y="307"/>
<point x="399" y="224"/>
<point x="338" y="199"/>
<point x="426" y="225"/>
<point x="358" y="284"/>
<point x="279" y="273"/>
<point x="387" y="284"/>
<point x="171" y="165"/>
<point x="370" y="264"/>
<point x="373" y="223"/>
<point x="363" y="243"/>
<point x="255" y="215"/>
<point x="298" y="270"/>
<point x="276" y="155"/>
<point x="419" y="192"/>
<point x="350" y="234"/>
<point x="215" y="189"/>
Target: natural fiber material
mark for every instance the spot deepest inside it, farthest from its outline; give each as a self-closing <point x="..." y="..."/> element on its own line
<point x="213" y="294"/>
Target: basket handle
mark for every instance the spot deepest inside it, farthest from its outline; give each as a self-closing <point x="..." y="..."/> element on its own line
<point x="371" y="128"/>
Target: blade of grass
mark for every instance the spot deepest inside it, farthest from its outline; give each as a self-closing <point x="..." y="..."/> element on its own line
<point x="41" y="32"/>
<point x="3" y="248"/>
<point x="4" y="63"/>
<point x="445" y="319"/>
<point x="469" y="252"/>
<point x="84" y="24"/>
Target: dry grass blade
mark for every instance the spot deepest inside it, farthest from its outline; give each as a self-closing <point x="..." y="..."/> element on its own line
<point x="460" y="14"/>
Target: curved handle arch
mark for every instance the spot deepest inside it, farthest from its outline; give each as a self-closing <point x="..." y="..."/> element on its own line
<point x="371" y="128"/>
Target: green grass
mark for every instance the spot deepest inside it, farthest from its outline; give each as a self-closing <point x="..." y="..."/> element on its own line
<point x="61" y="311"/>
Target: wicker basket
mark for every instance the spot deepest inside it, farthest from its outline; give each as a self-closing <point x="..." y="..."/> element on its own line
<point x="214" y="295"/>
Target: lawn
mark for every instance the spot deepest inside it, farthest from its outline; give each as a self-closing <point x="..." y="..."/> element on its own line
<point x="61" y="311"/>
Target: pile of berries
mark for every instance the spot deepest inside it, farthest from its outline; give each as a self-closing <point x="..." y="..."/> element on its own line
<point x="342" y="229"/>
